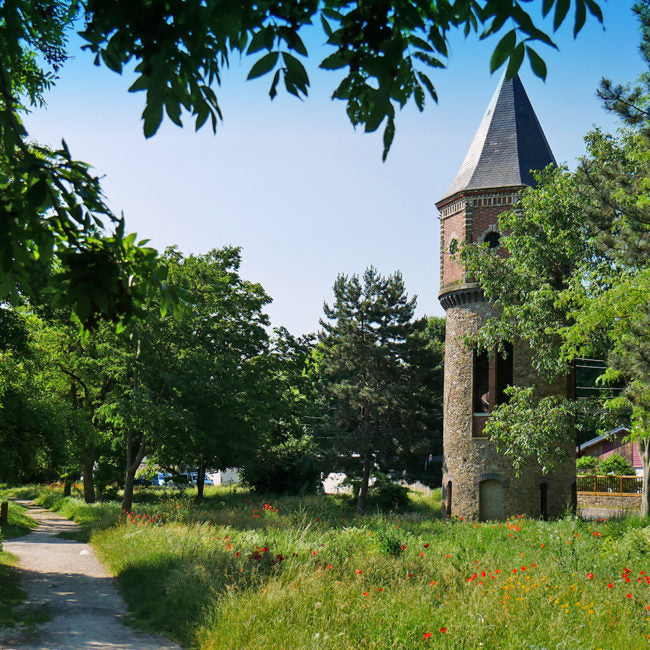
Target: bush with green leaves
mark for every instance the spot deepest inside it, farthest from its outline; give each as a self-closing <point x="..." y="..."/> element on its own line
<point x="289" y="467"/>
<point x="586" y="464"/>
<point x="616" y="464"/>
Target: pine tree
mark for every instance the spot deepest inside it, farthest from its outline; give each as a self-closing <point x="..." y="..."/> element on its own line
<point x="368" y="380"/>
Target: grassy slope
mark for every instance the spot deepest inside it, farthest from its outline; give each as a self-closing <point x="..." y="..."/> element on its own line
<point x="193" y="572"/>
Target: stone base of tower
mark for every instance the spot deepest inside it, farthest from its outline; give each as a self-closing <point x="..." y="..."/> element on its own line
<point x="478" y="481"/>
<point x="490" y="491"/>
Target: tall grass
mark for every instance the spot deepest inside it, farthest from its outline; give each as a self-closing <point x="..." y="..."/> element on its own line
<point x="242" y="571"/>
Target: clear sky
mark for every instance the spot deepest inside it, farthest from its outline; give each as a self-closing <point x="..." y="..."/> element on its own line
<point x="294" y="185"/>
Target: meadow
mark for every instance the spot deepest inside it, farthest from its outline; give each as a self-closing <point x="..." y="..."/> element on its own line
<point x="242" y="570"/>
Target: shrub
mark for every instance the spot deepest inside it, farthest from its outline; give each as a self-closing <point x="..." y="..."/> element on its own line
<point x="586" y="464"/>
<point x="290" y="467"/>
<point x="616" y="464"/>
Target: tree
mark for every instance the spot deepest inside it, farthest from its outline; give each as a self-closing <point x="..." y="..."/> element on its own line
<point x="50" y="203"/>
<point x="372" y="387"/>
<point x="576" y="282"/>
<point x="192" y="390"/>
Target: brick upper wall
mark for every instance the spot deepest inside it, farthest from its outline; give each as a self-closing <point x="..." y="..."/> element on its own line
<point x="467" y="218"/>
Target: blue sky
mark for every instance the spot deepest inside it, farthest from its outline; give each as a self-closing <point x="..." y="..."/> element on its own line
<point x="305" y="195"/>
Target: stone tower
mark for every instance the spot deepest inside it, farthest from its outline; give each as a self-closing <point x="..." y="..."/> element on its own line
<point x="478" y="482"/>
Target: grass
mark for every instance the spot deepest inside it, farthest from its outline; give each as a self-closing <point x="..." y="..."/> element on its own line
<point x="308" y="573"/>
<point x="12" y="596"/>
<point x="19" y="523"/>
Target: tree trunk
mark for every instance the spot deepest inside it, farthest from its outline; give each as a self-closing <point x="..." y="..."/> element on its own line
<point x="363" y="490"/>
<point x="200" y="479"/>
<point x="644" y="451"/>
<point x="89" y="481"/>
<point x="67" y="486"/>
<point x="132" y="465"/>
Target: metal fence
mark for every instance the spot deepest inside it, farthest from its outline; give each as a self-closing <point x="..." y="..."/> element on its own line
<point x="591" y="484"/>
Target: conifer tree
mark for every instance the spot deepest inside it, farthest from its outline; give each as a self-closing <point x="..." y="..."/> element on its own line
<point x="369" y="378"/>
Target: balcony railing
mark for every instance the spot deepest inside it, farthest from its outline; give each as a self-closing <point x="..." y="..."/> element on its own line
<point x="612" y="485"/>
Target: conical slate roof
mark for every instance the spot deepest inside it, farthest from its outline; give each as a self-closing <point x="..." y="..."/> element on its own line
<point x="508" y="144"/>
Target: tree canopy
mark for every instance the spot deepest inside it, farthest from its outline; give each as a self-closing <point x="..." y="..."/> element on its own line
<point x="52" y="206"/>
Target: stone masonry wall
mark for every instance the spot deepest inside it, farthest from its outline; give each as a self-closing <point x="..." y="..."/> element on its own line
<point x="469" y="460"/>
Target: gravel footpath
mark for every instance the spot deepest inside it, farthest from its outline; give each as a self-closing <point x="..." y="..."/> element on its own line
<point x="66" y="581"/>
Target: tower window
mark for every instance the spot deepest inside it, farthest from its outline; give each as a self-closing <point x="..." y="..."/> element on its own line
<point x="504" y="374"/>
<point x="453" y="246"/>
<point x="492" y="239"/>
<point x="481" y="393"/>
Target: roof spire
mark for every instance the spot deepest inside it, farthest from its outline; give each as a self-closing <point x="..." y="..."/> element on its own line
<point x="508" y="144"/>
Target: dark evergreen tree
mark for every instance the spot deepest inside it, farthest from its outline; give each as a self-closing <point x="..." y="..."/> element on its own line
<point x="372" y="376"/>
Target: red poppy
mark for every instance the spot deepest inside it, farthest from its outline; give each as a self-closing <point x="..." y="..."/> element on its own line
<point x="628" y="595"/>
<point x="358" y="571"/>
<point x="365" y="593"/>
<point x="403" y="547"/>
<point x="426" y="546"/>
<point x="313" y="552"/>
<point x="590" y="576"/>
<point x="421" y="554"/>
<point x="237" y="554"/>
<point x="410" y="575"/>
<point x="329" y="566"/>
<point x="380" y="589"/>
<point x="610" y="585"/>
<point x="443" y="629"/>
<point x="433" y="582"/>
<point x="428" y="635"/>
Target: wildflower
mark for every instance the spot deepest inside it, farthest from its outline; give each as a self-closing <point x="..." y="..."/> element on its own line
<point x="433" y="582"/>
<point x="447" y="556"/>
<point x="410" y="575"/>
<point x="422" y="555"/>
<point x="365" y="593"/>
<point x="358" y="571"/>
<point x="329" y="566"/>
<point x="428" y="635"/>
<point x="427" y="546"/>
<point x="237" y="554"/>
<point x="313" y="552"/>
<point x="590" y="576"/>
<point x="443" y="629"/>
<point x="403" y="547"/>
<point x="628" y="595"/>
<point x="610" y="585"/>
<point x="380" y="589"/>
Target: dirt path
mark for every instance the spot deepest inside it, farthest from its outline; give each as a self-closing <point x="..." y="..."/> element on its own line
<point x="67" y="582"/>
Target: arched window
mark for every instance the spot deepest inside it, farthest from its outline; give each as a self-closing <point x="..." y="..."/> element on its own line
<point x="492" y="238"/>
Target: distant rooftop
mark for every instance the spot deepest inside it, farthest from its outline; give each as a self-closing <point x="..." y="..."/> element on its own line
<point x="508" y="144"/>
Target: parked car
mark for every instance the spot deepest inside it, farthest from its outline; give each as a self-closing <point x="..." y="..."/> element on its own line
<point x="160" y="479"/>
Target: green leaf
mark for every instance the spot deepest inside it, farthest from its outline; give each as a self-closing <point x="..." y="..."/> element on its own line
<point x="581" y="16"/>
<point x="141" y="83"/>
<point x="173" y="110"/>
<point x="561" y="9"/>
<point x="326" y="26"/>
<point x="429" y="86"/>
<point x="546" y="7"/>
<point x="389" y="134"/>
<point x="274" y="85"/>
<point x="594" y="9"/>
<point x="263" y="65"/>
<point x="333" y="62"/>
<point x="503" y="50"/>
<point x="536" y="63"/>
<point x="152" y="116"/>
<point x="516" y="59"/>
